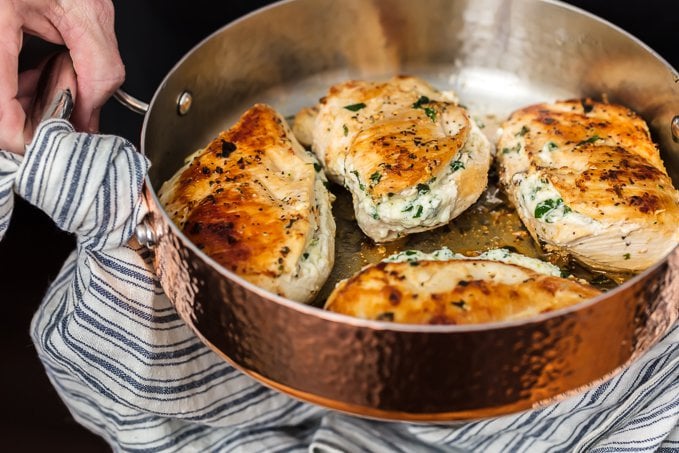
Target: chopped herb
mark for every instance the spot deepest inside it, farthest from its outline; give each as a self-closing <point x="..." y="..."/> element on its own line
<point x="317" y="167"/>
<point x="305" y="256"/>
<point x="422" y="188"/>
<point x="410" y="252"/>
<point x="546" y="206"/>
<point x="627" y="256"/>
<point x="592" y="139"/>
<point x="355" y="107"/>
<point x="524" y="130"/>
<point x="409" y="208"/>
<point x="375" y="215"/>
<point x="551" y="146"/>
<point x="419" y="212"/>
<point x="414" y="263"/>
<point x="564" y="273"/>
<point x="346" y="129"/>
<point x="376" y="177"/>
<point x="360" y="184"/>
<point x="431" y="113"/>
<point x="420" y="101"/>
<point x="456" y="165"/>
<point x="514" y="149"/>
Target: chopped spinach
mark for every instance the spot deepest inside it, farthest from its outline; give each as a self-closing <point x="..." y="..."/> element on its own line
<point x="545" y="207"/>
<point x="355" y="107"/>
<point x="423" y="188"/>
<point x="358" y="178"/>
<point x="422" y="100"/>
<point x="514" y="149"/>
<point x="592" y="139"/>
<point x="429" y="111"/>
<point x="456" y="165"/>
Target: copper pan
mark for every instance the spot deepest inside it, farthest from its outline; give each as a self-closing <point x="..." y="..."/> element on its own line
<point x="498" y="55"/>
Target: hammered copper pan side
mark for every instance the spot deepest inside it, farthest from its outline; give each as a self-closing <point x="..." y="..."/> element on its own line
<point x="394" y="372"/>
<point x="385" y="370"/>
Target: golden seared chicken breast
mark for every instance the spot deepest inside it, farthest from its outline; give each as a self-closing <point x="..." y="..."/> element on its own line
<point x="255" y="201"/>
<point x="410" y="156"/>
<point x="445" y="288"/>
<point x="586" y="179"/>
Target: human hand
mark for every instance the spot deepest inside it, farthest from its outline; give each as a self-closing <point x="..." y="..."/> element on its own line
<point x="86" y="29"/>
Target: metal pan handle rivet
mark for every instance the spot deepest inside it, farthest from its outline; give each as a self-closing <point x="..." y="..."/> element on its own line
<point x="145" y="233"/>
<point x="675" y="128"/>
<point x="184" y="102"/>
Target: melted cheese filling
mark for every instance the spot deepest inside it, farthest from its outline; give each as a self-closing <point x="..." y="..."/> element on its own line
<point x="501" y="255"/>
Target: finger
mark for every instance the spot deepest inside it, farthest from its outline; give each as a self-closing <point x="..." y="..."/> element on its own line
<point x="88" y="31"/>
<point x="12" y="116"/>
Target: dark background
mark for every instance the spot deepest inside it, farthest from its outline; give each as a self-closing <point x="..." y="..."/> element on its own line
<point x="152" y="36"/>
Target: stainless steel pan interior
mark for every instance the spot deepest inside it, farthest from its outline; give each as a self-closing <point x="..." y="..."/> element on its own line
<point x="497" y="55"/>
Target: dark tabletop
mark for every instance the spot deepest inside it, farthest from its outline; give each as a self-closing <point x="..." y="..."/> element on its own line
<point x="152" y="37"/>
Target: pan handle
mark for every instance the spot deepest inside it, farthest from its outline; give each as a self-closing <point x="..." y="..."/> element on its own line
<point x="131" y="102"/>
<point x="145" y="231"/>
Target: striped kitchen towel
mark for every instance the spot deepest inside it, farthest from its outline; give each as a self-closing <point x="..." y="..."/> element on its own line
<point x="131" y="371"/>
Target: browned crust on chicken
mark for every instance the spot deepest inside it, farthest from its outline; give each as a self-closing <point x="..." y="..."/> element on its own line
<point x="623" y="174"/>
<point x="617" y="207"/>
<point x="616" y="184"/>
<point x="407" y="148"/>
<point x="453" y="292"/>
<point x="234" y="200"/>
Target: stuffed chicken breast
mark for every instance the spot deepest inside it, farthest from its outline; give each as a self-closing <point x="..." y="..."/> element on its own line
<point x="586" y="179"/>
<point x="410" y="156"/>
<point x="255" y="201"/>
<point x="445" y="288"/>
